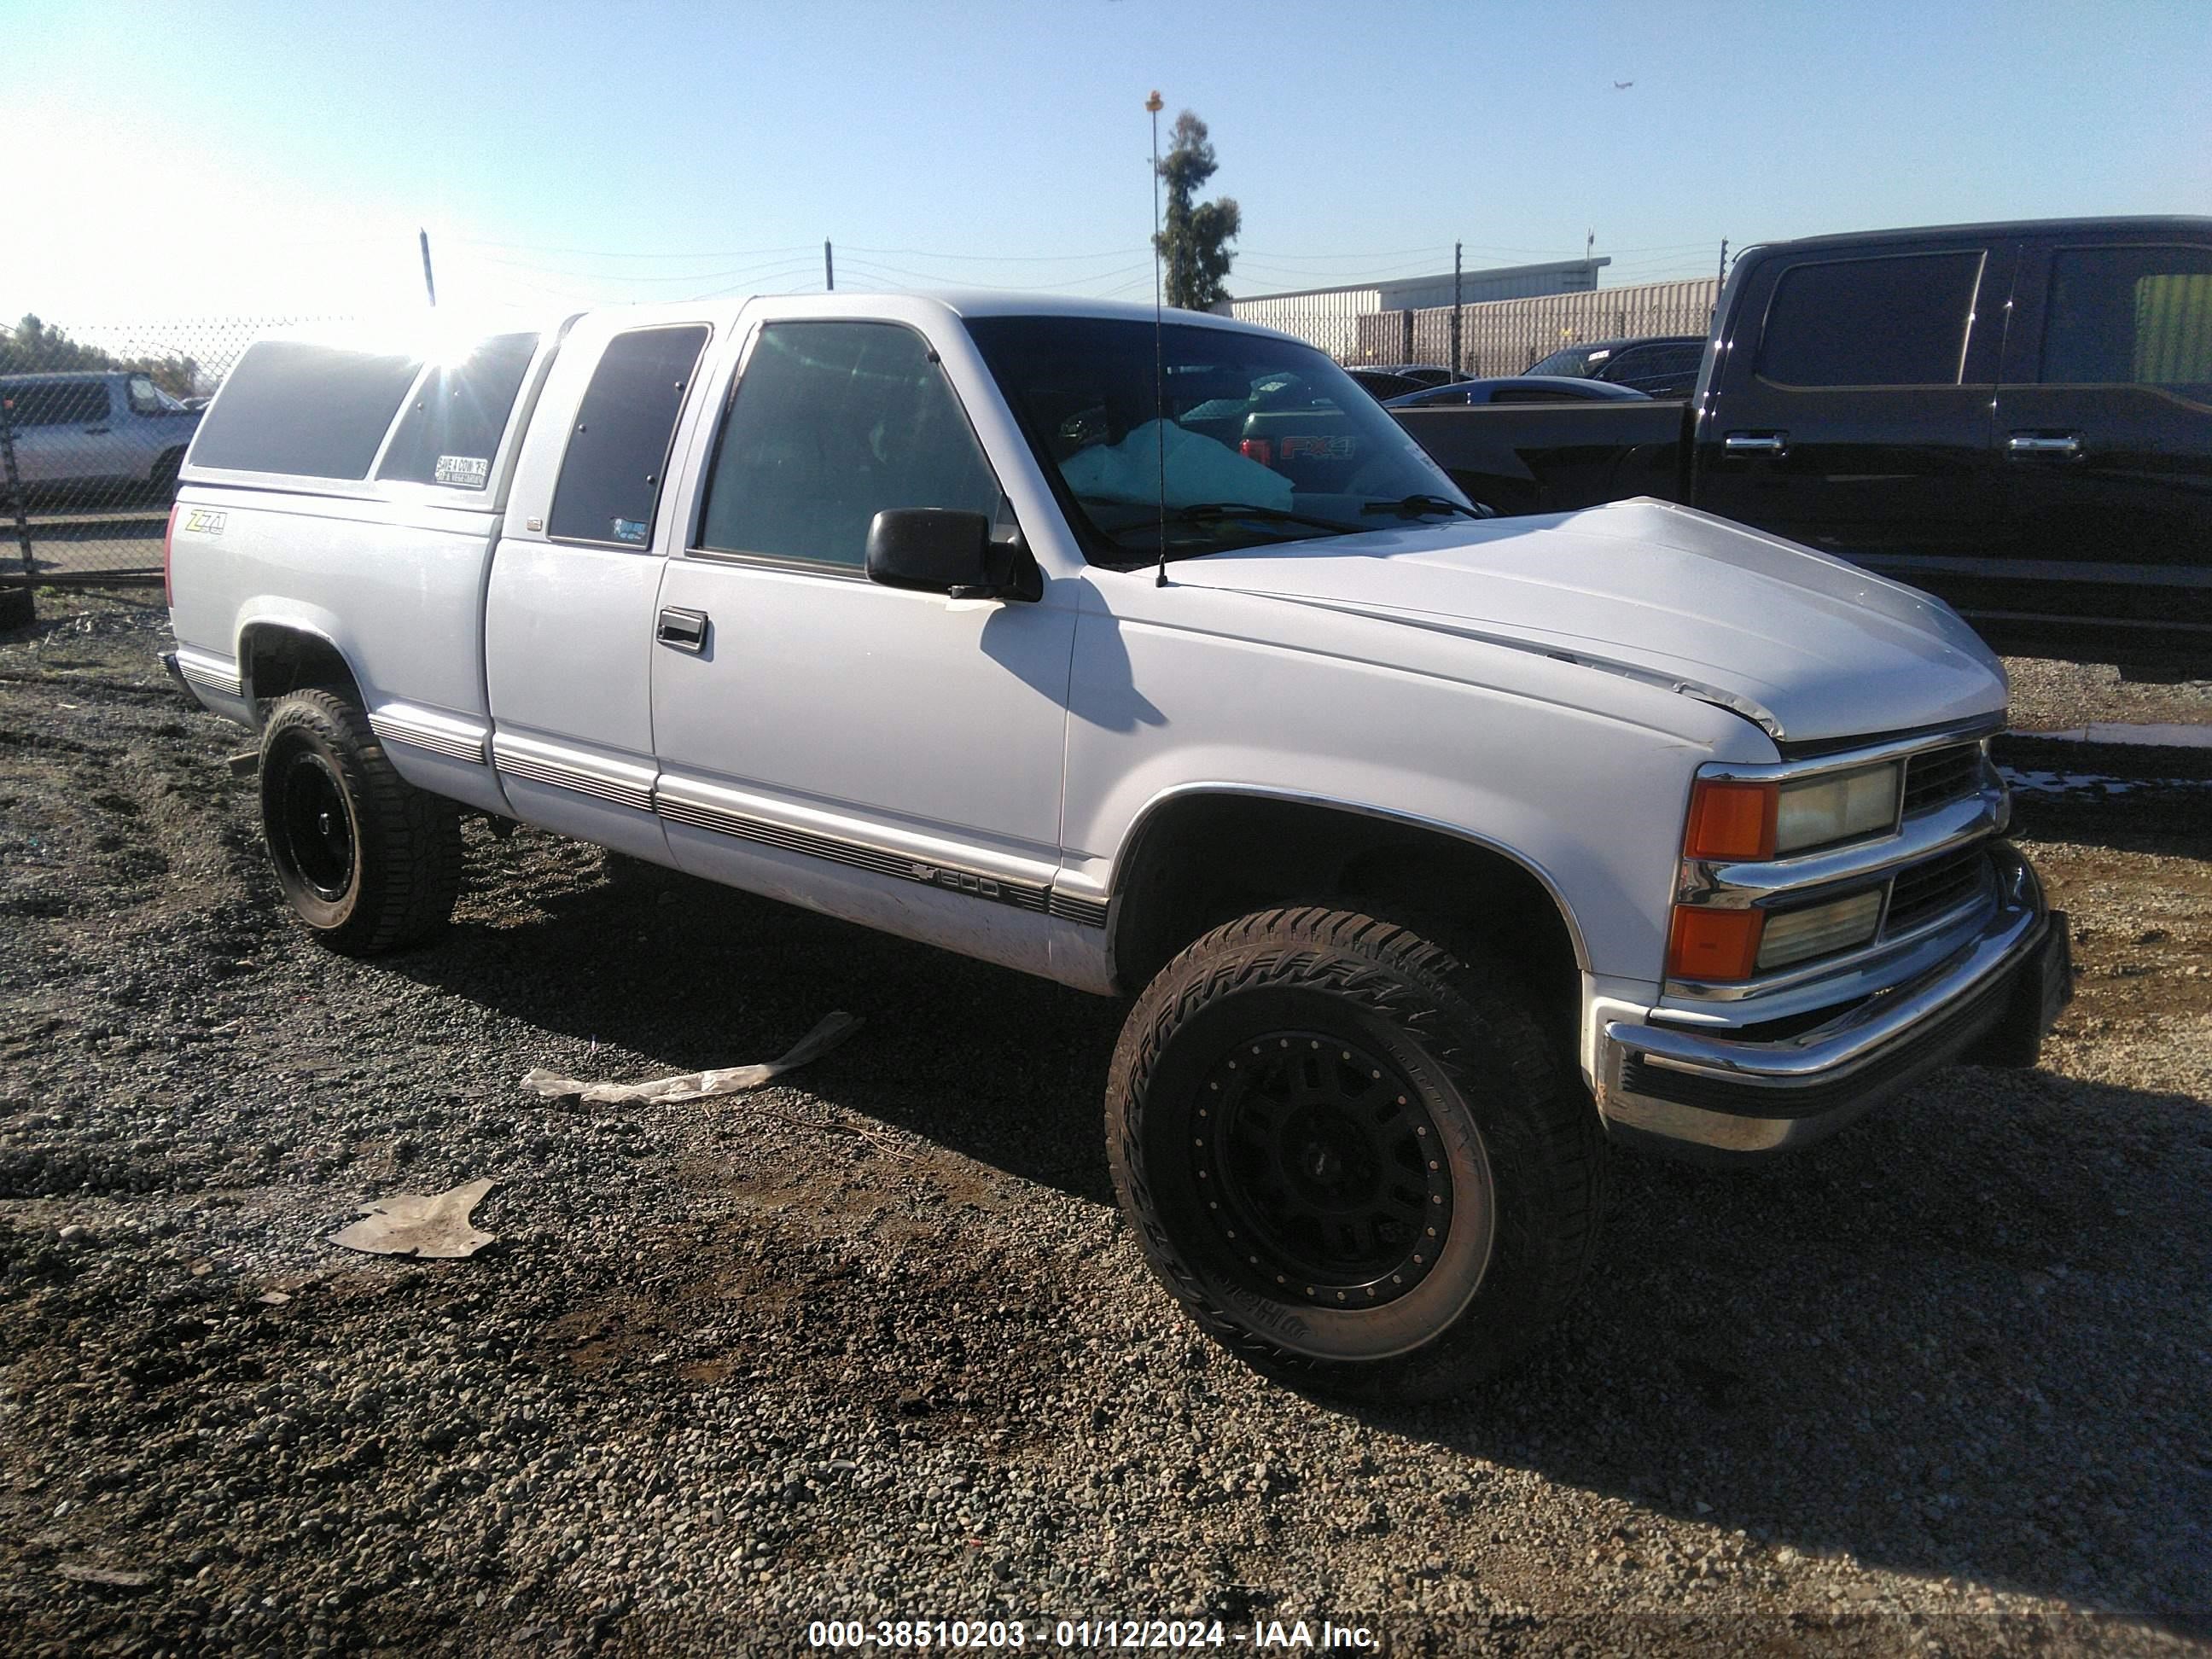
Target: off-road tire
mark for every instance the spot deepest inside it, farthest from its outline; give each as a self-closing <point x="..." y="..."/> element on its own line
<point x="399" y="885"/>
<point x="1522" y="1137"/>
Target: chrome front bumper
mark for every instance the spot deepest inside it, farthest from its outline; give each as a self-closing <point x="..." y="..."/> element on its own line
<point x="1989" y="1001"/>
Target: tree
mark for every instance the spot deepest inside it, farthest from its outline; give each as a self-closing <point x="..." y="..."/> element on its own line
<point x="1194" y="243"/>
<point x="35" y="346"/>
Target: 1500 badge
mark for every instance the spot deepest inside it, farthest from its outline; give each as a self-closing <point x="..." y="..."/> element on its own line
<point x="958" y="880"/>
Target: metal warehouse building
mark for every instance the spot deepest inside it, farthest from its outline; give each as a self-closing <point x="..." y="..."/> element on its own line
<point x="1324" y="315"/>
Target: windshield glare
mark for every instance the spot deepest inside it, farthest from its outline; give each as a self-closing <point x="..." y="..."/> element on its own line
<point x="1250" y="421"/>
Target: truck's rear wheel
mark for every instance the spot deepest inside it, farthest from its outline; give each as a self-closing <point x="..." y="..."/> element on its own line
<point x="1348" y="1152"/>
<point x="368" y="861"/>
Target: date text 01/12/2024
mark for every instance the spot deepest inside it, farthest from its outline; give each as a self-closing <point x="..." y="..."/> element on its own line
<point x="1098" y="1635"/>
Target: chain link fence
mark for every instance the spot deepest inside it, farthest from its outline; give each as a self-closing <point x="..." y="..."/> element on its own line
<point x="94" y="422"/>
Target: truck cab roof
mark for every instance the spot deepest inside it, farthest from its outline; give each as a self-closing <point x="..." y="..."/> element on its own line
<point x="2180" y="224"/>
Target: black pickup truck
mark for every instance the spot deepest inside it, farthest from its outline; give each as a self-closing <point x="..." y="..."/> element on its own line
<point x="2016" y="417"/>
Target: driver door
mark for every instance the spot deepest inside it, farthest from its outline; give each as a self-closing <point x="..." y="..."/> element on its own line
<point x="887" y="756"/>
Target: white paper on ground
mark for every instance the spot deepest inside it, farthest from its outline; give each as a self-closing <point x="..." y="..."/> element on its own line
<point x="411" y="1224"/>
<point x="698" y="1085"/>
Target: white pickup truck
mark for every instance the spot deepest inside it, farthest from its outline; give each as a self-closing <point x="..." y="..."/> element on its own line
<point x="1436" y="850"/>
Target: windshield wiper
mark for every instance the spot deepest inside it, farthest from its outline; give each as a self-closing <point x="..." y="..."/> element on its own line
<point x="1412" y="507"/>
<point x="1215" y="512"/>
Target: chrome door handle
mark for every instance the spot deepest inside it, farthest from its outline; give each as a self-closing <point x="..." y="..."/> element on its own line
<point x="1756" y="443"/>
<point x="2043" y="443"/>
<point x="685" y="629"/>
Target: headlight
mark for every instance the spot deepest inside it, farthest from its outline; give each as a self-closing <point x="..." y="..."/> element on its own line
<point x="1841" y="806"/>
<point x="1818" y="929"/>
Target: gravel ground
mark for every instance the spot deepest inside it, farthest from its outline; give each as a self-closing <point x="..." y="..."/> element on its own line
<point x="875" y="1345"/>
<point x="2056" y="697"/>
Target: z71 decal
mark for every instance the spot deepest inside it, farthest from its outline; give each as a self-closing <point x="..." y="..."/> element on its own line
<point x="201" y="522"/>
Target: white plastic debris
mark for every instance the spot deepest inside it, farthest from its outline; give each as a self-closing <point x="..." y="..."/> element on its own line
<point x="114" y="1578"/>
<point x="698" y="1085"/>
<point x="411" y="1224"/>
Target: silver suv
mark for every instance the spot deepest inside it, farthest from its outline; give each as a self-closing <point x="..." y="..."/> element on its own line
<point x="92" y="438"/>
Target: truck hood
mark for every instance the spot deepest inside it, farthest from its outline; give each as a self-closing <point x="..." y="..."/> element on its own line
<point x="1809" y="648"/>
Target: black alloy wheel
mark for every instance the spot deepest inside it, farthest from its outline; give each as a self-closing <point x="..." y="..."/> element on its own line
<point x="367" y="861"/>
<point x="1328" y="1175"/>
<point x="1350" y="1151"/>
<point x="316" y="825"/>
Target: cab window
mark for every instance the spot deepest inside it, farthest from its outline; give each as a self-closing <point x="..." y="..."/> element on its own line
<point x="1900" y="320"/>
<point x="610" y="476"/>
<point x="831" y="423"/>
<point x="2139" y="316"/>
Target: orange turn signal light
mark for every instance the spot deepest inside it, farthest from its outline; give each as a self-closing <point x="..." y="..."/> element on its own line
<point x="1713" y="945"/>
<point x="1731" y="820"/>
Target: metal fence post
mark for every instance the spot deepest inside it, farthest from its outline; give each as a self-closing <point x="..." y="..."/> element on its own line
<point x="18" y="609"/>
<point x="1458" y="362"/>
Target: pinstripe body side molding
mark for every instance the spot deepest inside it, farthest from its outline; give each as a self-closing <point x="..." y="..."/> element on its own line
<point x="574" y="772"/>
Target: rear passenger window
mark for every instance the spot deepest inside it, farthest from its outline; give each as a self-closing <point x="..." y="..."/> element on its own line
<point x="610" y="476"/>
<point x="1898" y="321"/>
<point x="1657" y="369"/>
<point x="58" y="403"/>
<point x="833" y="423"/>
<point x="292" y="406"/>
<point x="2139" y="316"/>
<point x="451" y="429"/>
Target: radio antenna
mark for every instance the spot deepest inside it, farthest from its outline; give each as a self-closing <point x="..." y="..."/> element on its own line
<point x="1159" y="346"/>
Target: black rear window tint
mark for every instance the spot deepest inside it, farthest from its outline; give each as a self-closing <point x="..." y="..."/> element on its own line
<point x="1899" y="321"/>
<point x="611" y="477"/>
<point x="317" y="411"/>
<point x="452" y="428"/>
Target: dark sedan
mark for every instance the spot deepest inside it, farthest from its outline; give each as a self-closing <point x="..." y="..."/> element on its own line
<point x="1662" y="366"/>
<point x="1519" y="389"/>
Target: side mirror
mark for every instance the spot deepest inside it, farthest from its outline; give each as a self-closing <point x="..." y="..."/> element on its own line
<point x="942" y="550"/>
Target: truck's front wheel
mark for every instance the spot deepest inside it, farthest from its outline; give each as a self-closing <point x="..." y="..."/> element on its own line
<point x="368" y="861"/>
<point x="1348" y="1152"/>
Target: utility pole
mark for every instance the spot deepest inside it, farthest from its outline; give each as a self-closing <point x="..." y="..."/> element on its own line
<point x="828" y="268"/>
<point x="1722" y="281"/>
<point x="429" y="286"/>
<point x="1458" y="360"/>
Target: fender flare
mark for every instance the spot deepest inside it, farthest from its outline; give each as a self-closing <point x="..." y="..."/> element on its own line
<point x="1133" y="841"/>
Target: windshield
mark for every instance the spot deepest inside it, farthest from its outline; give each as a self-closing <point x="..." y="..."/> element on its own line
<point x="1251" y="423"/>
<point x="1573" y="360"/>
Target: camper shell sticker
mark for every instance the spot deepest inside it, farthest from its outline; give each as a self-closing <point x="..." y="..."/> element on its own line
<point x="462" y="471"/>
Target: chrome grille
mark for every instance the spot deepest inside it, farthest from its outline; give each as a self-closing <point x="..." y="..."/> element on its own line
<point x="1936" y="888"/>
<point x="1936" y="776"/>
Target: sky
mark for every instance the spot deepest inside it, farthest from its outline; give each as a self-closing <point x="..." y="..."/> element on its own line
<point x="242" y="160"/>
